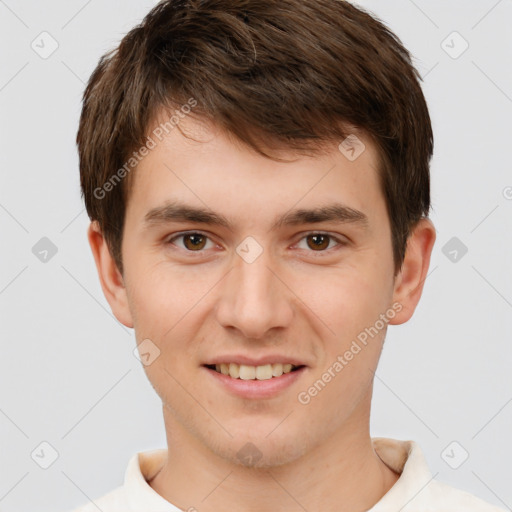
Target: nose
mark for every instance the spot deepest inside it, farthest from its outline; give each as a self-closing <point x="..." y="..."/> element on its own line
<point x="254" y="298"/>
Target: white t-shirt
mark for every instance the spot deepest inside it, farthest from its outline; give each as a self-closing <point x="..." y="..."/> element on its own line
<point x="414" y="491"/>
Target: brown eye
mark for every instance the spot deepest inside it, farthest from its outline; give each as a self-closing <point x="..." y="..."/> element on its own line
<point x="191" y="242"/>
<point x="194" y="241"/>
<point x="318" y="242"/>
<point x="323" y="244"/>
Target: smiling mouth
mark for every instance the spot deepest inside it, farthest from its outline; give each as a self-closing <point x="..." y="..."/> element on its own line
<point x="247" y="372"/>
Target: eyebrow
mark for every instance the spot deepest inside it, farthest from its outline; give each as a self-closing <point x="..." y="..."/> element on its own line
<point x="177" y="211"/>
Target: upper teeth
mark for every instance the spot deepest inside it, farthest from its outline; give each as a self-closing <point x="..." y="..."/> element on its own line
<point x="247" y="372"/>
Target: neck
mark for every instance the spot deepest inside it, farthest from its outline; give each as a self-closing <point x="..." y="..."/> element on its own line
<point x="193" y="477"/>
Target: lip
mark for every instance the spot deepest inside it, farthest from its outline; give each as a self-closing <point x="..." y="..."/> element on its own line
<point x="256" y="389"/>
<point x="260" y="361"/>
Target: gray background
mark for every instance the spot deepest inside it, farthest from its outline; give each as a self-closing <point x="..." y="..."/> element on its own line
<point x="68" y="373"/>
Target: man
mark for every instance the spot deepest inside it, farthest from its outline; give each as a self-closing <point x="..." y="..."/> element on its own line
<point x="257" y="176"/>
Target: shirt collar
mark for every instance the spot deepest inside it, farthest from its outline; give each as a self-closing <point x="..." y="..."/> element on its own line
<point x="143" y="466"/>
<point x="406" y="458"/>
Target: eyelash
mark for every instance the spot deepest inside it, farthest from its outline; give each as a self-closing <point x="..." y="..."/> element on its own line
<point x="340" y="243"/>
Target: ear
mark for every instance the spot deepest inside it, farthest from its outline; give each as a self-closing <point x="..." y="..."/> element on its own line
<point x="111" y="279"/>
<point x="411" y="278"/>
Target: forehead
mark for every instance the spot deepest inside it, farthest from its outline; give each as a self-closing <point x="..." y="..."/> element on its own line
<point x="194" y="132"/>
<point x="200" y="164"/>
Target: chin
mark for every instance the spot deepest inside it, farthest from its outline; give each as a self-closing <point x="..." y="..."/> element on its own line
<point x="266" y="451"/>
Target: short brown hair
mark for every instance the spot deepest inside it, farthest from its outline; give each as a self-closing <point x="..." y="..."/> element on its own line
<point x="287" y="74"/>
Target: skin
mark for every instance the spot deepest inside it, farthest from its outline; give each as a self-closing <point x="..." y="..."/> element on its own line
<point x="294" y="299"/>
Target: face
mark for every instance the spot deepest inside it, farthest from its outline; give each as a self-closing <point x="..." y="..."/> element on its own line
<point x="286" y="262"/>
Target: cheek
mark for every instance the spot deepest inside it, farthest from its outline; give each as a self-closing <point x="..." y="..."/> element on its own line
<point x="350" y="304"/>
<point x="165" y="303"/>
<point x="153" y="302"/>
<point x="164" y="298"/>
<point x="346" y="298"/>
